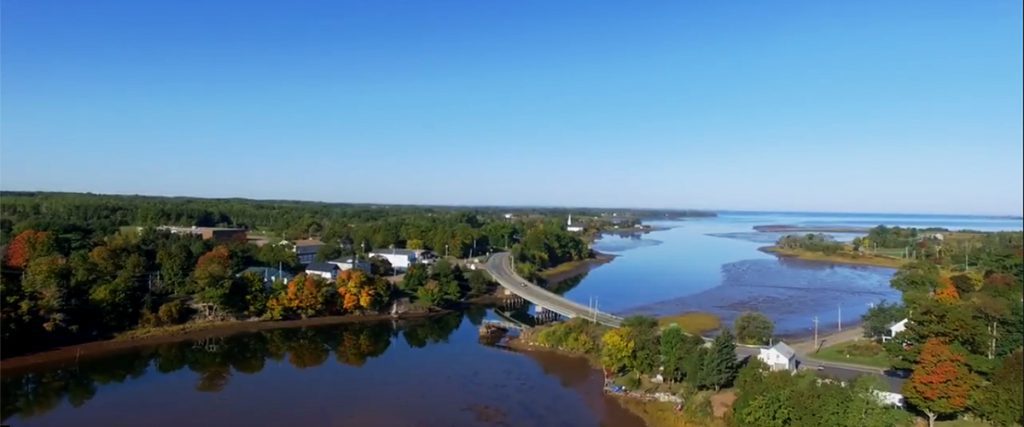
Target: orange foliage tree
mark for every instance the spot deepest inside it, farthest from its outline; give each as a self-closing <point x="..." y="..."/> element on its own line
<point x="941" y="383"/>
<point x="25" y="246"/>
<point x="947" y="292"/>
<point x="304" y="296"/>
<point x="360" y="292"/>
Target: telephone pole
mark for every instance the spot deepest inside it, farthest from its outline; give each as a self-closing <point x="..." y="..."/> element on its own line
<point x="840" y="317"/>
<point x="815" y="334"/>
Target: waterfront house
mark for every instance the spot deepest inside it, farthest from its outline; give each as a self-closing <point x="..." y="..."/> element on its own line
<point x="779" y="357"/>
<point x="323" y="269"/>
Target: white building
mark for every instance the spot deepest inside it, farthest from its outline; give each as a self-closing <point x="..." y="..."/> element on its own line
<point x="323" y="269"/>
<point x="894" y="329"/>
<point x="400" y="259"/>
<point x="779" y="357"/>
<point x="569" y="226"/>
<point x="349" y="263"/>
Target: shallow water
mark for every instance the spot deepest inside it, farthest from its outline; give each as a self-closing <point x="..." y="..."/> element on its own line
<point x="714" y="265"/>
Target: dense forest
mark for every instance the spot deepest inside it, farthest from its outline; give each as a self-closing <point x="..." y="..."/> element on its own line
<point x="82" y="267"/>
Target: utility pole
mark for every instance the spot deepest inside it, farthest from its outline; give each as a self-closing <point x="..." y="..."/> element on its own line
<point x="815" y="334"/>
<point x="840" y="317"/>
<point x="595" y="309"/>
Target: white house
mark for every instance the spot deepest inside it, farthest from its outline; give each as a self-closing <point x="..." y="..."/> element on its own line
<point x="349" y="263"/>
<point x="779" y="357"/>
<point x="894" y="329"/>
<point x="323" y="269"/>
<point x="574" y="228"/>
<point x="888" y="398"/>
<point x="400" y="259"/>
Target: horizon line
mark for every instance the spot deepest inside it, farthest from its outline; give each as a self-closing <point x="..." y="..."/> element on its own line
<point x="520" y="206"/>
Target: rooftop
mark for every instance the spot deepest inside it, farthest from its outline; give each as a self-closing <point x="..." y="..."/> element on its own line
<point x="321" y="266"/>
<point x="784" y="350"/>
<point x="395" y="252"/>
<point x="308" y="242"/>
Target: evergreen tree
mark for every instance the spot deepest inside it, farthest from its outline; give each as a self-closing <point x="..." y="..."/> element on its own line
<point x="719" y="366"/>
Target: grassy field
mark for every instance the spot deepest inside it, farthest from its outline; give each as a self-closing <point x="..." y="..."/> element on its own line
<point x="856" y="352"/>
<point x="696" y="323"/>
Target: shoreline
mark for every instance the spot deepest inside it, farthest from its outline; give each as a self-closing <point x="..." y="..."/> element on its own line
<point x="870" y="261"/>
<point x="787" y="228"/>
<point x="571" y="269"/>
<point x="93" y="349"/>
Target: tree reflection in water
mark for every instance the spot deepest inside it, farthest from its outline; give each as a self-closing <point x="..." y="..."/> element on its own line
<point x="215" y="360"/>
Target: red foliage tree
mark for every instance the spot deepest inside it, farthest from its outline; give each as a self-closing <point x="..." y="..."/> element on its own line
<point x="25" y="246"/>
<point x="941" y="383"/>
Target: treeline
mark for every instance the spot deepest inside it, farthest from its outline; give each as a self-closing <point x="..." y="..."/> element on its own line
<point x="155" y="278"/>
<point x="547" y="245"/>
<point x="86" y="217"/>
<point x="640" y="348"/>
<point x="964" y="333"/>
<point x="814" y="242"/>
<point x="216" y="360"/>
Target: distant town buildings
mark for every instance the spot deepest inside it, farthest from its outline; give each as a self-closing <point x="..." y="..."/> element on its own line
<point x="217" y="234"/>
<point x="400" y="259"/>
<point x="574" y="228"/>
<point x="350" y="263"/>
<point x="323" y="269"/>
<point x="306" y="249"/>
<point x="268" y="274"/>
<point x="779" y="357"/>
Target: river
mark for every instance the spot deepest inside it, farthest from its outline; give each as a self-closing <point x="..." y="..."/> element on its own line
<point x="435" y="371"/>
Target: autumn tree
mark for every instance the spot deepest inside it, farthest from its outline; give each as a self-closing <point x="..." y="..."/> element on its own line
<point x="358" y="291"/>
<point x="643" y="332"/>
<point x="27" y="245"/>
<point x="947" y="292"/>
<point x="304" y="296"/>
<point x="941" y="383"/>
<point x="617" y="348"/>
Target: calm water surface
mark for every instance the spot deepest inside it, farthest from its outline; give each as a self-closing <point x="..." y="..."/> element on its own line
<point x="423" y="373"/>
<point x="435" y="372"/>
<point x="713" y="264"/>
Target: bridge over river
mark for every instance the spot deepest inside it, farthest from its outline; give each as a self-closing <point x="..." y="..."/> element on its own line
<point x="500" y="267"/>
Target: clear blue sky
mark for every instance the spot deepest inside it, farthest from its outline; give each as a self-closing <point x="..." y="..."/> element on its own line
<point x="794" y="105"/>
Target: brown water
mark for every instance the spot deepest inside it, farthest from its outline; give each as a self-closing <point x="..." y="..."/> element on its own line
<point x="424" y="373"/>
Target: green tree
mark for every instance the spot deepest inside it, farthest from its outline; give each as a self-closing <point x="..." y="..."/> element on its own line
<point x="672" y="353"/>
<point x="1002" y="401"/>
<point x="719" y="366"/>
<point x="415" y="277"/>
<point x="879" y="317"/>
<point x="643" y="331"/>
<point x="754" y="328"/>
<point x="479" y="283"/>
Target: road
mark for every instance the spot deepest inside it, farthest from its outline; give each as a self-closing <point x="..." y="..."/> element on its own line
<point x="500" y="267"/>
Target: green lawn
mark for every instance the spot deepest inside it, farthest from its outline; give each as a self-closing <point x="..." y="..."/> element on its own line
<point x="854" y="352"/>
